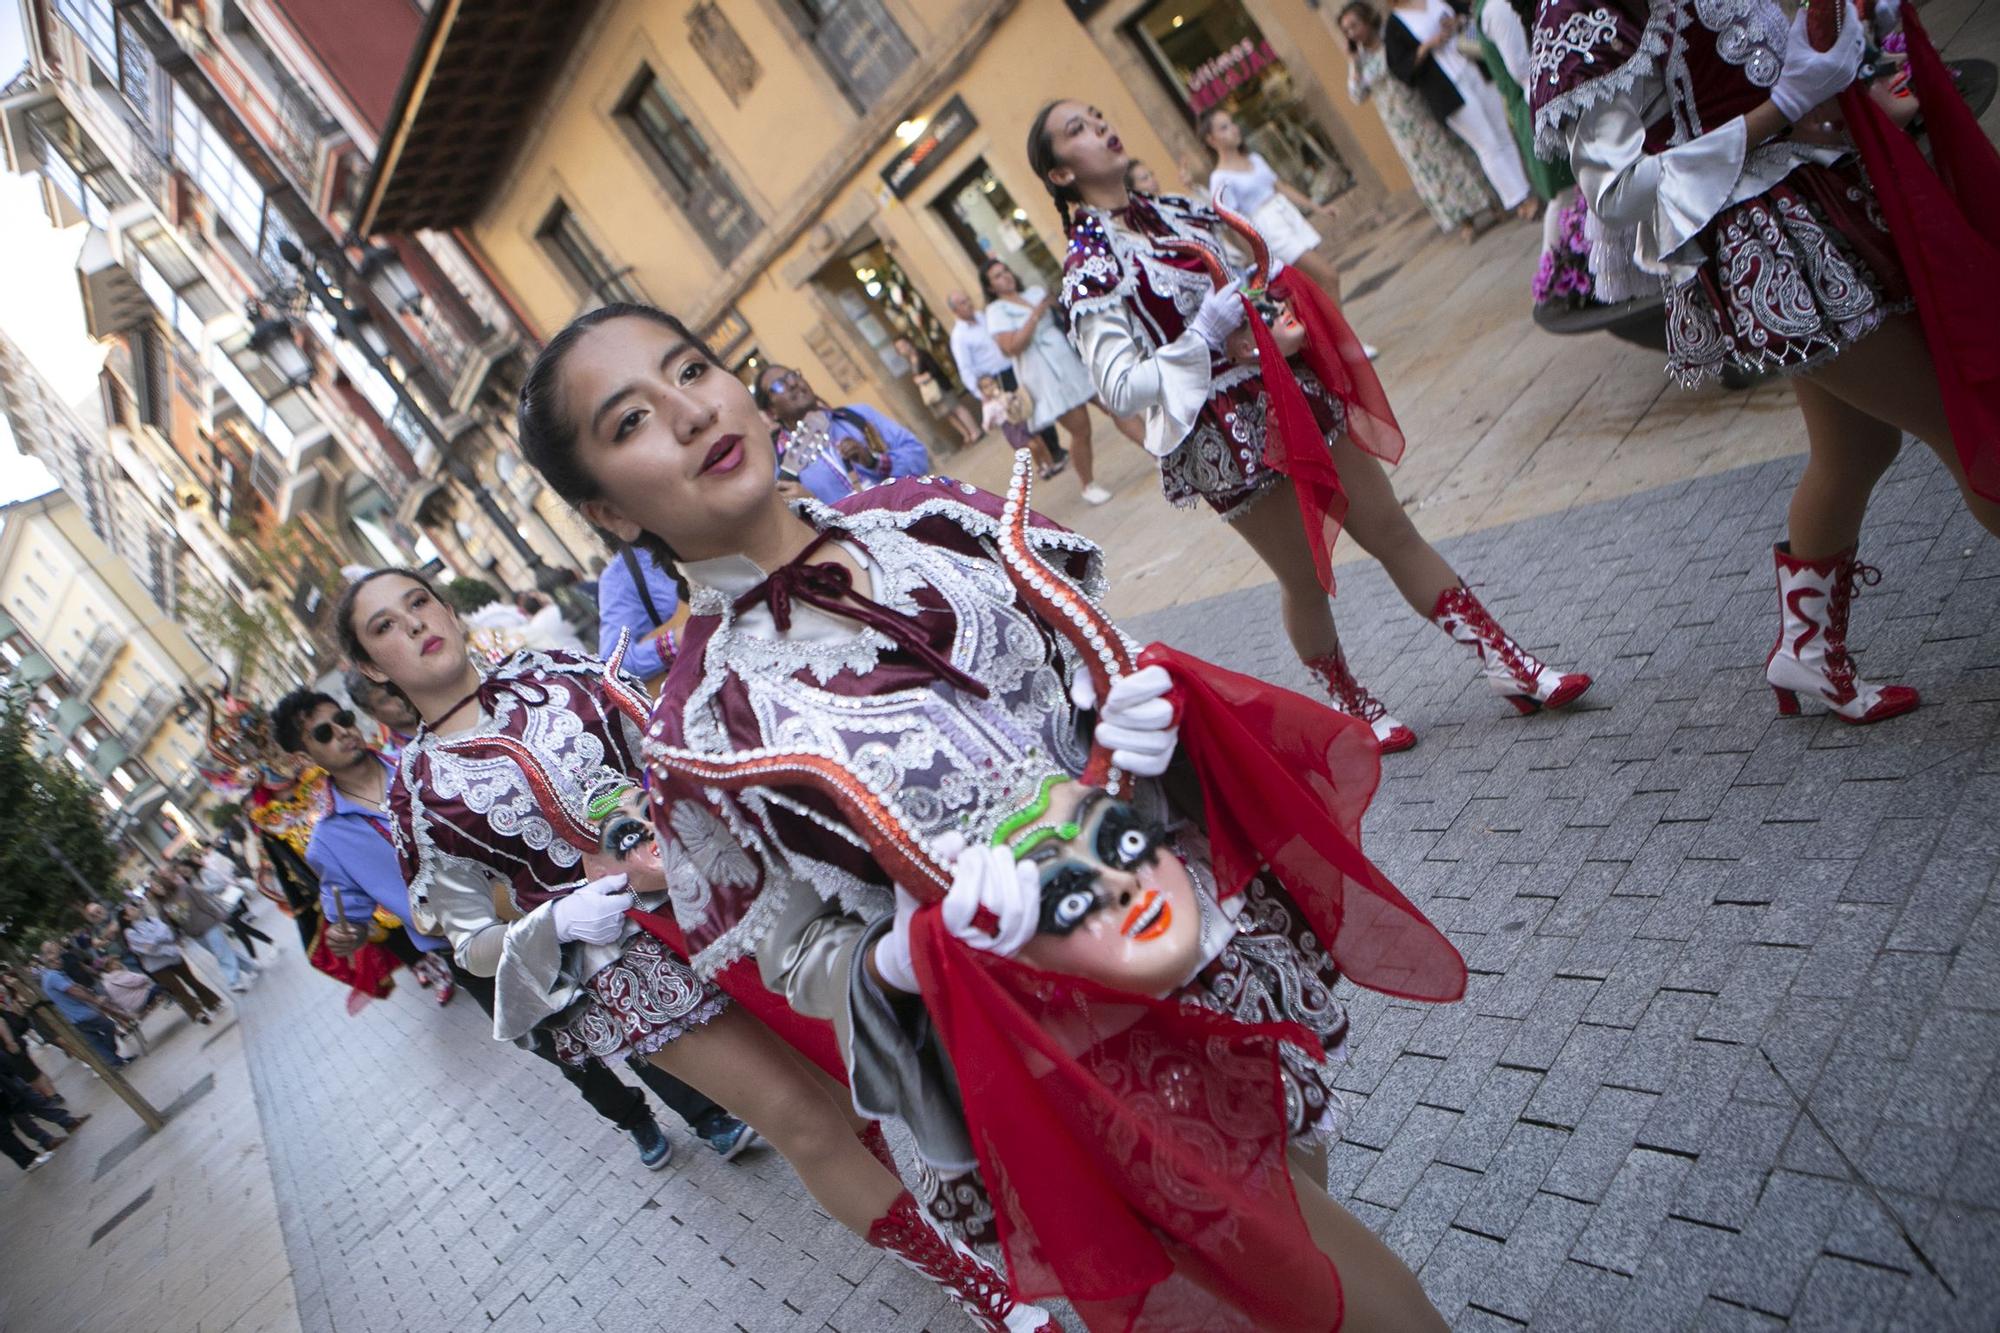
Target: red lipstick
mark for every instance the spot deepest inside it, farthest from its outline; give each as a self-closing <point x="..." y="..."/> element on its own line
<point x="725" y="455"/>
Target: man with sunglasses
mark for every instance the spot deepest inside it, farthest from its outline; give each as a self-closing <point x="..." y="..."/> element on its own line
<point x="352" y="851"/>
<point x="831" y="452"/>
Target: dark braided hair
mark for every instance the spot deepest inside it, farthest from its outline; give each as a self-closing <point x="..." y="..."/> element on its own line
<point x="548" y="435"/>
<point x="1042" y="160"/>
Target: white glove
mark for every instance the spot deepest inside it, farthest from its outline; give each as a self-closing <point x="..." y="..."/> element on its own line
<point x="595" y="913"/>
<point x="981" y="876"/>
<point x="1809" y="77"/>
<point x="1136" y="722"/>
<point x="1221" y="314"/>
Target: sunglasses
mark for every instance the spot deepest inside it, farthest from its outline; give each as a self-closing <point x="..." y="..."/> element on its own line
<point x="323" y="733"/>
<point x="784" y="383"/>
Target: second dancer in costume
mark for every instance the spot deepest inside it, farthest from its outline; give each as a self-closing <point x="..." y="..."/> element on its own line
<point x="487" y="802"/>
<point x="1283" y="449"/>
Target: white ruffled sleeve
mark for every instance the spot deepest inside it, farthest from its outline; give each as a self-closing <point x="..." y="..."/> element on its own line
<point x="1169" y="385"/>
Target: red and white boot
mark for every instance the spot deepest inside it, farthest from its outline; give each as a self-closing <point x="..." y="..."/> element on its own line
<point x="1515" y="674"/>
<point x="1351" y="697"/>
<point x="976" y="1287"/>
<point x="1814" y="597"/>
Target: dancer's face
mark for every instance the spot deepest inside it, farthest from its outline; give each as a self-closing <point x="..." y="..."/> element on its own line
<point x="410" y="637"/>
<point x="673" y="443"/>
<point x="1118" y="908"/>
<point x="1088" y="153"/>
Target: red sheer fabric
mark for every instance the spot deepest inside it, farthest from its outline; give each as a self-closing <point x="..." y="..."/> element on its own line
<point x="810" y="1037"/>
<point x="1284" y="783"/>
<point x="1294" y="446"/>
<point x="1945" y="222"/>
<point x="1134" y="1148"/>
<point x="1335" y="355"/>
<point x="367" y="973"/>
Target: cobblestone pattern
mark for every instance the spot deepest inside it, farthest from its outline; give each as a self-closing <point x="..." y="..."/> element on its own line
<point x="1727" y="1060"/>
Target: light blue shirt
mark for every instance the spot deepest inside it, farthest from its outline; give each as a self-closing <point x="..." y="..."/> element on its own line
<point x="356" y="863"/>
<point x="832" y="478"/>
<point x="620" y="607"/>
<point x="62" y="993"/>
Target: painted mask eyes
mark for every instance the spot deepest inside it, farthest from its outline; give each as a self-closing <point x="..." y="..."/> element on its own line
<point x="1069" y="895"/>
<point x="1125" y="839"/>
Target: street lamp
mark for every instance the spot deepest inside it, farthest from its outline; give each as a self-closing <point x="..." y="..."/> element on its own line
<point x="382" y="268"/>
<point x="353" y="325"/>
<point x="271" y="338"/>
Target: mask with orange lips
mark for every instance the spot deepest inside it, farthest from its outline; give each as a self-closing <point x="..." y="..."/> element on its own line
<point x="1118" y="907"/>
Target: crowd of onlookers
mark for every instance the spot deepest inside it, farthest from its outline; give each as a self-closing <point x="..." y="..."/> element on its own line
<point x="101" y="980"/>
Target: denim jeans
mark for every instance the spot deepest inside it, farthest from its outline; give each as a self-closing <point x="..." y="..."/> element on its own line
<point x="216" y="940"/>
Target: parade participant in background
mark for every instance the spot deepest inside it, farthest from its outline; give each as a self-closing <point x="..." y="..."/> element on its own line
<point x="828" y="452"/>
<point x="1420" y="43"/>
<point x="473" y="835"/>
<point x="888" y="638"/>
<point x="354" y="852"/>
<point x="1442" y="168"/>
<point x="151" y="940"/>
<point x="1503" y="27"/>
<point x="977" y="355"/>
<point x="1157" y="337"/>
<point x="944" y="396"/>
<point x="1044" y="365"/>
<point x="1700" y="137"/>
<point x="386" y="708"/>
<point x="636" y="597"/>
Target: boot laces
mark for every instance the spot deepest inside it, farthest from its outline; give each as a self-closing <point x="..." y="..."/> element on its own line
<point x="1847" y="581"/>
<point x="1489" y="639"/>
<point x="1349" y="694"/>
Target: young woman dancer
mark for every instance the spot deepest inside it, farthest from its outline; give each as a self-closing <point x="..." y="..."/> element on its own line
<point x="469" y="826"/>
<point x="1153" y="331"/>
<point x="1703" y="137"/>
<point x="889" y="635"/>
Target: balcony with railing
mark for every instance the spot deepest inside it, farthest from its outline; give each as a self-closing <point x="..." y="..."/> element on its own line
<point x="95" y="663"/>
<point x="151" y="712"/>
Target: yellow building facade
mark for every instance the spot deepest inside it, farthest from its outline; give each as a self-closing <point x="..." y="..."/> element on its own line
<point x="807" y="182"/>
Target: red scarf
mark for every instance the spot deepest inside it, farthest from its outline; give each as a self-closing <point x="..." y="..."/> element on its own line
<point x="1945" y="222"/>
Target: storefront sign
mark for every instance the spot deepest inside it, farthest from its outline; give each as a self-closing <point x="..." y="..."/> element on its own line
<point x="949" y="128"/>
<point x="728" y="332"/>
<point x="1217" y="78"/>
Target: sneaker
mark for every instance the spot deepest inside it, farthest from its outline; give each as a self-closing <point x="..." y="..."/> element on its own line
<point x="655" y="1149"/>
<point x="730" y="1138"/>
<point x="1094" y="494"/>
<point x="39" y="1160"/>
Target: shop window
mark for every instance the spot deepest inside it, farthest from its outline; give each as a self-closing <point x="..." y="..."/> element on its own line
<point x="881" y="305"/>
<point x="860" y="45"/>
<point x="581" y="261"/>
<point x="990" y="225"/>
<point x="690" y="173"/>
<point x="1211" y="53"/>
<point x="97" y="28"/>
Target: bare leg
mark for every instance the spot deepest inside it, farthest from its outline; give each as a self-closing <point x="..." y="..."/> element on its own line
<point x="1850" y="452"/>
<point x="1381" y="1294"/>
<point x="968" y="429"/>
<point x="1889" y="376"/>
<point x="1377" y="520"/>
<point x="737" y="1061"/>
<point x="1076" y="425"/>
<point x="1274" y="532"/>
<point x="1132" y="428"/>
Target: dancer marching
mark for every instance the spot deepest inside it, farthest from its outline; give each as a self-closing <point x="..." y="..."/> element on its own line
<point x="1703" y="137"/>
<point x="1281" y="461"/>
<point x="471" y="806"/>
<point x="888" y="639"/>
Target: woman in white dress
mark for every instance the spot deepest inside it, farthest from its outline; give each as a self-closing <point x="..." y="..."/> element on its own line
<point x="1421" y="40"/>
<point x="1027" y="327"/>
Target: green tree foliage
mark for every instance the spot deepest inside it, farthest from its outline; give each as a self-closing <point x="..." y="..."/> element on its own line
<point x="468" y="595"/>
<point x="53" y="816"/>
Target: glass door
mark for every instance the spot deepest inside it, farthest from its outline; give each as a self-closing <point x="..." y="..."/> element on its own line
<point x="990" y="225"/>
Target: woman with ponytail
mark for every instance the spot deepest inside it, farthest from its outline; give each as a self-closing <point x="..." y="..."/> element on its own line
<point x="1284" y="436"/>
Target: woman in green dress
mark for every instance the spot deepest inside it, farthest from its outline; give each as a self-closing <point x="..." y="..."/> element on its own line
<point x="1443" y="169"/>
<point x="1503" y="27"/>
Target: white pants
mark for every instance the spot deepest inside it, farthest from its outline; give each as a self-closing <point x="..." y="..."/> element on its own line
<point x="1482" y="123"/>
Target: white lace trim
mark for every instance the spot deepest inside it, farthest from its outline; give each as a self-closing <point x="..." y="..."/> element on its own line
<point x="1559" y="113"/>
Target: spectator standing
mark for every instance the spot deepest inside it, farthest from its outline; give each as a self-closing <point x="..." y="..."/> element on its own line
<point x="942" y="394"/>
<point x="831" y="452"/>
<point x="1007" y="410"/>
<point x="152" y="942"/>
<point x="1246" y="184"/>
<point x="1420" y="42"/>
<point x="16" y="1060"/>
<point x="975" y="354"/>
<point x="93" y="1019"/>
<point x="634" y="593"/>
<point x="1442" y="168"/>
<point x="219" y="879"/>
<point x="18" y="1102"/>
<point x="1027" y="329"/>
<point x="201" y="918"/>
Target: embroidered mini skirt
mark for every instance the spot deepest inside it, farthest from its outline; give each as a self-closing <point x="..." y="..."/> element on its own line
<point x="1221" y="462"/>
<point x="636" y="1005"/>
<point x="1794" y="277"/>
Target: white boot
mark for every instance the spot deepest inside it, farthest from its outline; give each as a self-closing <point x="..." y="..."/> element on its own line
<point x="1814" y="598"/>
